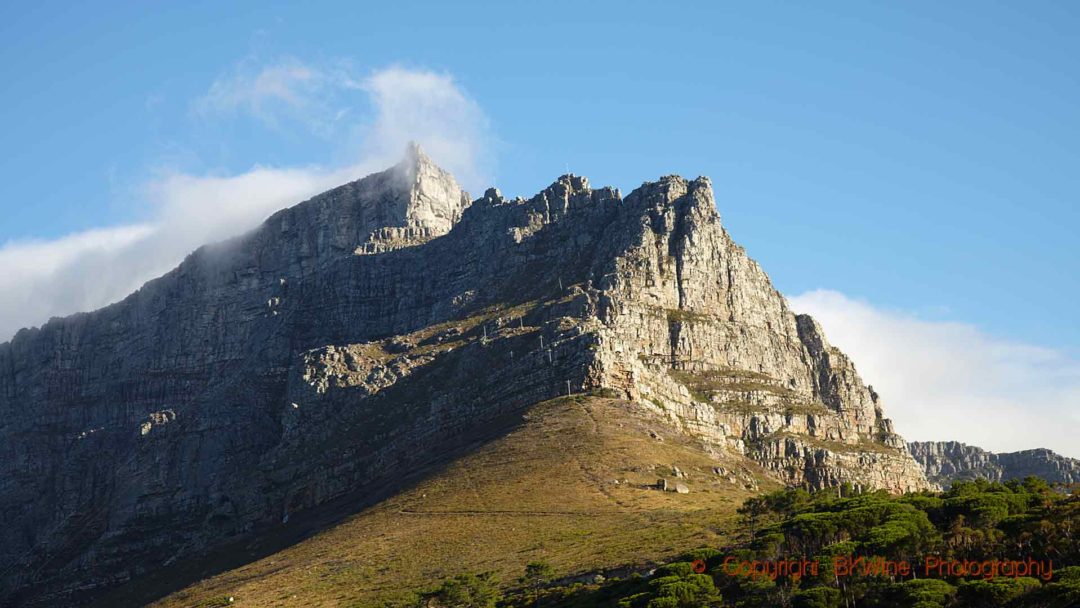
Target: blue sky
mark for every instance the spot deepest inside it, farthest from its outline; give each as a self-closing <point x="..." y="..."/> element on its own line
<point x="919" y="160"/>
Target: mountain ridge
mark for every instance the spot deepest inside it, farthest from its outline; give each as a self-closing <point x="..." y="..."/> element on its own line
<point x="354" y="336"/>
<point x="947" y="461"/>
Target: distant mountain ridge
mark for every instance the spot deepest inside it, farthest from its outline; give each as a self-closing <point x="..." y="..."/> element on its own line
<point x="948" y="461"/>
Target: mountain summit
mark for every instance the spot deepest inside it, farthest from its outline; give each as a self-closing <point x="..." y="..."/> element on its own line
<point x="416" y="195"/>
<point x="387" y="326"/>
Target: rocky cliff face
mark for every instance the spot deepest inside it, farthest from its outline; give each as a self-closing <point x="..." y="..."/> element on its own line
<point x="948" y="461"/>
<point x="366" y="331"/>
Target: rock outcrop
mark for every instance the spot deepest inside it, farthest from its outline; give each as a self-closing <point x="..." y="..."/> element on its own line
<point x="947" y="461"/>
<point x="367" y="331"/>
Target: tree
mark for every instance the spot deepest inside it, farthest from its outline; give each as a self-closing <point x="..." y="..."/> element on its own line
<point x="536" y="575"/>
<point x="678" y="586"/>
<point x="817" y="597"/>
<point x="752" y="510"/>
<point x="928" y="592"/>
<point x="996" y="592"/>
<point x="465" y="591"/>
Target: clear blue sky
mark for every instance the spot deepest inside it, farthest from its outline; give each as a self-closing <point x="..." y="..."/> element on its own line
<point x="924" y="156"/>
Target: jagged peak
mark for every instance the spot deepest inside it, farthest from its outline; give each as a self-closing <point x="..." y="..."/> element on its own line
<point x="416" y="165"/>
<point x="674" y="186"/>
<point x="416" y="193"/>
<point x="675" y="192"/>
<point x="565" y="187"/>
<point x="415" y="153"/>
<point x="575" y="182"/>
<point x="418" y="169"/>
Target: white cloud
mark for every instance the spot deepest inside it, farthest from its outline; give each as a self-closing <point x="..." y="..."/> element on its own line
<point x="37" y="279"/>
<point x="405" y="105"/>
<point x="288" y="82"/>
<point x="287" y="90"/>
<point x="40" y="279"/>
<point x="945" y="380"/>
<point x="413" y="108"/>
<point x="203" y="209"/>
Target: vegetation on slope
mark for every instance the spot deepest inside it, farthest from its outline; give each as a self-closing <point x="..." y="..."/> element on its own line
<point x="861" y="544"/>
<point x="572" y="487"/>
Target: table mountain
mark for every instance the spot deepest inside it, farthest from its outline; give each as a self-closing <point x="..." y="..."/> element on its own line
<point x="380" y="328"/>
<point x="948" y="461"/>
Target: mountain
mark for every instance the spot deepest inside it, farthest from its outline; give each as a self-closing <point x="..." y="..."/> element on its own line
<point x="948" y="461"/>
<point x="384" y="332"/>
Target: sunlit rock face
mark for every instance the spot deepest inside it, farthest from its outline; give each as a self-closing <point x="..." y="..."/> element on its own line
<point x="376" y="328"/>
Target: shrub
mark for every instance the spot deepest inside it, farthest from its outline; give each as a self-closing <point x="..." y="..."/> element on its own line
<point x="817" y="597"/>
<point x="994" y="592"/>
<point x="466" y="591"/>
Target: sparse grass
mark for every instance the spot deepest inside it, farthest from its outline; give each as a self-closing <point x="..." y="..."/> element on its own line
<point x="702" y="385"/>
<point x="658" y="403"/>
<point x="863" y="445"/>
<point x="214" y="602"/>
<point x="740" y="407"/>
<point x="605" y="393"/>
<point x="806" y="409"/>
<point x="544" y="492"/>
<point x="790" y="409"/>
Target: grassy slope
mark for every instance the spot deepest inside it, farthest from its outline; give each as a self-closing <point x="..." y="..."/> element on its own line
<point x="545" y="491"/>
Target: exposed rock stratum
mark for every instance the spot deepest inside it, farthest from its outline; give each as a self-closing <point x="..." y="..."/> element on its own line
<point x="368" y="330"/>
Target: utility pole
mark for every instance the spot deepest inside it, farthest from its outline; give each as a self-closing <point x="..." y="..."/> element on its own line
<point x="567" y="388"/>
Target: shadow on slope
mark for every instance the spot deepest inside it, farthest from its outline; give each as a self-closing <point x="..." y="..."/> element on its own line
<point x="573" y="484"/>
<point x="300" y="527"/>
